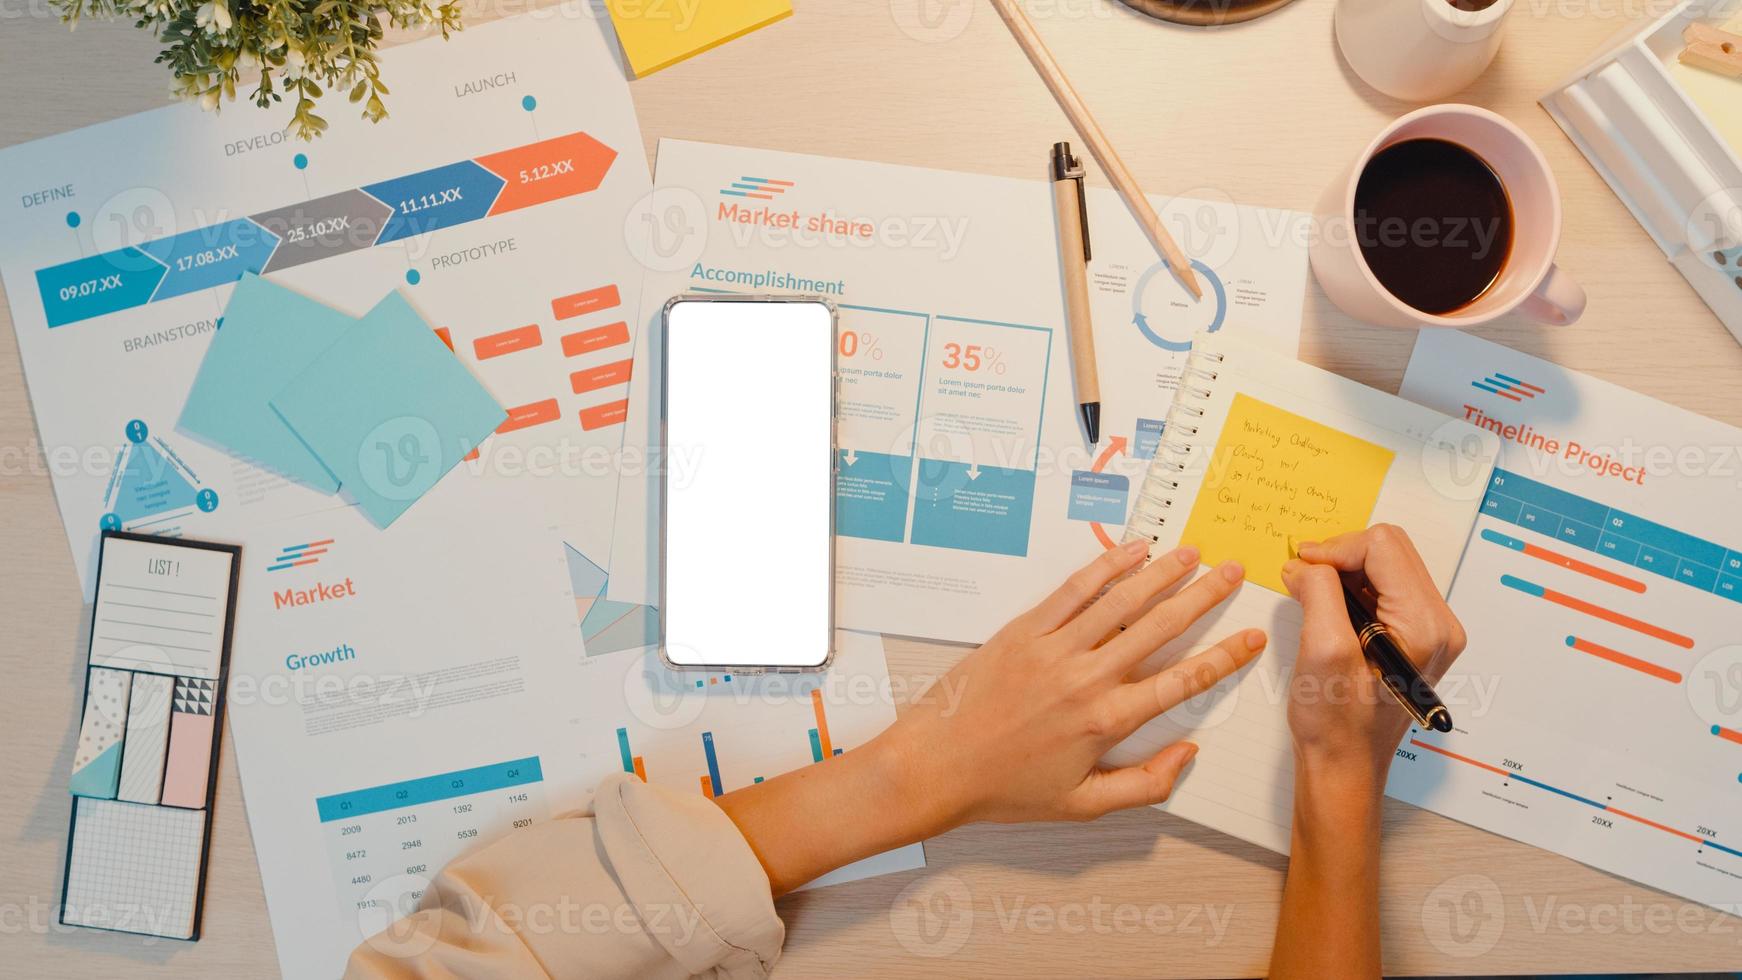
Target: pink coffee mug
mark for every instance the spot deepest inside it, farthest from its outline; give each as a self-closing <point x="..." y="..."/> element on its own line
<point x="1530" y="282"/>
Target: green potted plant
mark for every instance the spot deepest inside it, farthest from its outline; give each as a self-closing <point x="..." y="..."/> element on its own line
<point x="301" y="49"/>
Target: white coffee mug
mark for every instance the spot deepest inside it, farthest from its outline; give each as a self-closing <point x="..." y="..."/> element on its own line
<point x="1530" y="282"/>
<point x="1418" y="50"/>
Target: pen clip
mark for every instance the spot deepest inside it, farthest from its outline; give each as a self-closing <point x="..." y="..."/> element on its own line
<point x="1067" y="167"/>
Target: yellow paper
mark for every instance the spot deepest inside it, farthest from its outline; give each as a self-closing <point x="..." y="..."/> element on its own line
<point x="1275" y="474"/>
<point x="658" y="33"/>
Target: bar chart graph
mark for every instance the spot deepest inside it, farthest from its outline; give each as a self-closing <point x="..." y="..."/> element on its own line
<point x="821" y="747"/>
<point x="1592" y="622"/>
<point x="712" y="784"/>
<point x="1598" y="704"/>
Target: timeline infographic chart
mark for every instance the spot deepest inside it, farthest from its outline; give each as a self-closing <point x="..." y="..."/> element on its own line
<point x="1599" y="703"/>
<point x="495" y="197"/>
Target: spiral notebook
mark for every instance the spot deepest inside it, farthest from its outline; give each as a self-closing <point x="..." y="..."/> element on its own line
<point x="1257" y="448"/>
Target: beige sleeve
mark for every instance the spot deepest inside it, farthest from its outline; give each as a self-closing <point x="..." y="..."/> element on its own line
<point x="650" y="884"/>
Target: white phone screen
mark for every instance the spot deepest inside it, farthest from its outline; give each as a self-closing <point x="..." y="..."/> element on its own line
<point x="747" y="547"/>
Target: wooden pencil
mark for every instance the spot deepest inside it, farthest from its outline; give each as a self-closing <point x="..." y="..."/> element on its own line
<point x="1105" y="155"/>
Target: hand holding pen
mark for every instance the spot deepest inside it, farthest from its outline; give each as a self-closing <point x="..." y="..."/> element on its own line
<point x="1343" y="707"/>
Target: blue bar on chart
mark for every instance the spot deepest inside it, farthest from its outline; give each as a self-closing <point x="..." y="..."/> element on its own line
<point x="429" y="789"/>
<point x="623" y="747"/>
<point x="98" y="284"/>
<point x="434" y="199"/>
<point x="713" y="763"/>
<point x="214" y="256"/>
<point x="1623" y="537"/>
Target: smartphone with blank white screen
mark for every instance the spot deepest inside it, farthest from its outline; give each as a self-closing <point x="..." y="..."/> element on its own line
<point x="747" y="524"/>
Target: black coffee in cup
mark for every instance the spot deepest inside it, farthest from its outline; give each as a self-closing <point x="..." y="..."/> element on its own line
<point x="1433" y="222"/>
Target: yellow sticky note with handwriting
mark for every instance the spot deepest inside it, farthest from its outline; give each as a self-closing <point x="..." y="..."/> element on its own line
<point x="656" y="34"/>
<point x="1275" y="474"/>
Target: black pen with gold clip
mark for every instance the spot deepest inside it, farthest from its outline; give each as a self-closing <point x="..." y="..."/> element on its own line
<point x="1391" y="664"/>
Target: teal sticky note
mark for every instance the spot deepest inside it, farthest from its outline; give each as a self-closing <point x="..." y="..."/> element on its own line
<point x="388" y="409"/>
<point x="269" y="334"/>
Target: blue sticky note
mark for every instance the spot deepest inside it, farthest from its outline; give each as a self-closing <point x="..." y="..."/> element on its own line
<point x="269" y="334"/>
<point x="388" y="409"/>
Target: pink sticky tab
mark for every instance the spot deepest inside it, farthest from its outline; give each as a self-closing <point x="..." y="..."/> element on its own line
<point x="190" y="743"/>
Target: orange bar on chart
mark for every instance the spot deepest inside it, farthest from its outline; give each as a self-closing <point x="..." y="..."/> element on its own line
<point x="640" y="770"/>
<point x="598" y="338"/>
<point x="521" y="416"/>
<point x="1619" y="619"/>
<point x="707" y="787"/>
<point x="1418" y="743"/>
<point x="600" y="416"/>
<point x="1653" y="823"/>
<point x="1617" y="657"/>
<point x="548" y="170"/>
<point x="507" y="342"/>
<point x="603" y="376"/>
<point x="1584" y="568"/>
<point x="580" y="304"/>
<point x="822" y="723"/>
<point x="1727" y="734"/>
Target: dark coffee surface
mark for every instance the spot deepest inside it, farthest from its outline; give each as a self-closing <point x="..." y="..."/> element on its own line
<point x="1433" y="222"/>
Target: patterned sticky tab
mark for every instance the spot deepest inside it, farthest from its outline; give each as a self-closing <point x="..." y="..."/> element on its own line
<point x="97" y="762"/>
<point x="147" y="739"/>
<point x="190" y="742"/>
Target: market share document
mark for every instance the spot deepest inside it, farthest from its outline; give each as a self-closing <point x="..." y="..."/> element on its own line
<point x="482" y="198"/>
<point x="966" y="488"/>
<point x="1602" y="591"/>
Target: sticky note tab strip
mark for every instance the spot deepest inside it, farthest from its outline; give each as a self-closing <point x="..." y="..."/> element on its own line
<point x="97" y="761"/>
<point x="1276" y="475"/>
<point x="147" y="741"/>
<point x="191" y="728"/>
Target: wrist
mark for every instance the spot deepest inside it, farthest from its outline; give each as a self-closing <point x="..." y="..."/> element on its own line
<point x="910" y="783"/>
<point x="1338" y="786"/>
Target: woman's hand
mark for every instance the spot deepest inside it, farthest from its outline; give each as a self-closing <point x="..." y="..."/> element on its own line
<point x="1015" y="731"/>
<point x="1340" y="713"/>
<point x="1346" y="728"/>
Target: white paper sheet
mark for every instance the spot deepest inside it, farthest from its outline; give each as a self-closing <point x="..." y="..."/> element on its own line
<point x="412" y="696"/>
<point x="955" y="369"/>
<point x="117" y="267"/>
<point x="1602" y="592"/>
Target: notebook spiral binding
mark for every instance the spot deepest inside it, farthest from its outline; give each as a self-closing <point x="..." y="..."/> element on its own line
<point x="1176" y="453"/>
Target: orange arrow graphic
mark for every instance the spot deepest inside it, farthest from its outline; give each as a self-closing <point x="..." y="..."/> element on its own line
<point x="1115" y="444"/>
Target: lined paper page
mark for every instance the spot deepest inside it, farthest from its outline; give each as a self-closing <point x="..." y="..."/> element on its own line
<point x="1429" y="473"/>
<point x="160" y="608"/>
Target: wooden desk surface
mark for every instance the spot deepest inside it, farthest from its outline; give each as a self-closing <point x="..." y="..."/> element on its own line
<point x="1264" y="113"/>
